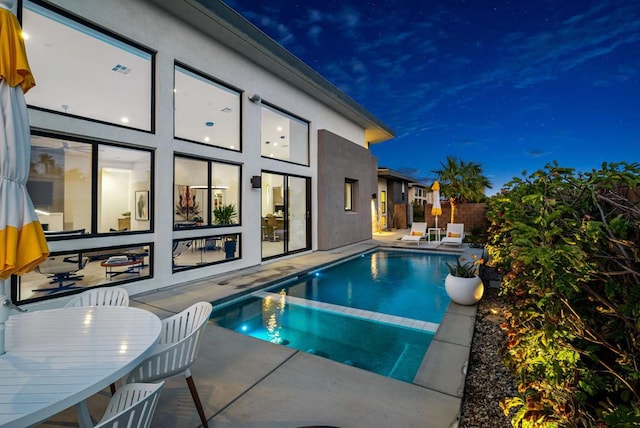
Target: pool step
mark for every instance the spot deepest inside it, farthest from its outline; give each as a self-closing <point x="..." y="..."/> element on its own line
<point x="355" y="313"/>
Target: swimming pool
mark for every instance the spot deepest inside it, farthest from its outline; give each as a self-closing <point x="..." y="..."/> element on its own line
<point x="377" y="311"/>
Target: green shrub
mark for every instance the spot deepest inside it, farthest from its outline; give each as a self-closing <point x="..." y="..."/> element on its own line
<point x="568" y="246"/>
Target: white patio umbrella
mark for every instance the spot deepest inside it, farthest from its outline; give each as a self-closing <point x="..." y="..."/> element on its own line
<point x="22" y="242"/>
<point x="436" y="209"/>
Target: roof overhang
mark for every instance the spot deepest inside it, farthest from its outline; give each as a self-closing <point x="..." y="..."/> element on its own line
<point x="222" y="23"/>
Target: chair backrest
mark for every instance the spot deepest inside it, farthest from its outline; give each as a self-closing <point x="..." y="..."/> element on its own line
<point x="180" y="247"/>
<point x="271" y="220"/>
<point x="105" y="296"/>
<point x="455" y="229"/>
<point x="418" y="227"/>
<point x="132" y="405"/>
<point x="177" y="347"/>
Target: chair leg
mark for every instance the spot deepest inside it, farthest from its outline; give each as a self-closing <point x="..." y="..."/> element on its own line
<point x="196" y="400"/>
<point x="112" y="387"/>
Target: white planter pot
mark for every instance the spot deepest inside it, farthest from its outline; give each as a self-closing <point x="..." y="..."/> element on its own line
<point x="464" y="291"/>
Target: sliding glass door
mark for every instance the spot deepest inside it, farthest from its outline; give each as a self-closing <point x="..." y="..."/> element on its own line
<point x="286" y="223"/>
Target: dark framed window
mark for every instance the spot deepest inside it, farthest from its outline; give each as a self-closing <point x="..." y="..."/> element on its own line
<point x="206" y="193"/>
<point x="85" y="71"/>
<point x="283" y="136"/>
<point x="349" y="191"/>
<point x="205" y="110"/>
<point x="73" y="271"/>
<point x="205" y="251"/>
<point x="82" y="184"/>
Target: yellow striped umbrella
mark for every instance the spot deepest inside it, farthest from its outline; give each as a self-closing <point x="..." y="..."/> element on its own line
<point x="436" y="209"/>
<point x="22" y="242"/>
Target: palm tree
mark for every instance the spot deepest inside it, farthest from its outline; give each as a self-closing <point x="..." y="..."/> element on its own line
<point x="461" y="182"/>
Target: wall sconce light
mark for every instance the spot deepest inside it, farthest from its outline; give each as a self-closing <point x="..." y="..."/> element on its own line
<point x="256" y="182"/>
<point x="255" y="98"/>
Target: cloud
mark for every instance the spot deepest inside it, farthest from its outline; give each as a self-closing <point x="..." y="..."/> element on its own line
<point x="536" y="153"/>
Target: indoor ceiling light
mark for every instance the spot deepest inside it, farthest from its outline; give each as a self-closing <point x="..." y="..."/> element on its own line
<point x="124" y="119"/>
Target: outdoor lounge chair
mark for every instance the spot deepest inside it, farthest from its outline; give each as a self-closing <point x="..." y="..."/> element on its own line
<point x="418" y="231"/>
<point x="455" y="234"/>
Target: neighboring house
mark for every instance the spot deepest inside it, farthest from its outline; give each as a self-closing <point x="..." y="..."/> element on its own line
<point x="393" y="201"/>
<point x="167" y="132"/>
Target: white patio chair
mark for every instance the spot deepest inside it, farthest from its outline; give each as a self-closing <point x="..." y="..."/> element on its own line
<point x="132" y="406"/>
<point x="176" y="350"/>
<point x="105" y="296"/>
<point x="418" y="231"/>
<point x="455" y="234"/>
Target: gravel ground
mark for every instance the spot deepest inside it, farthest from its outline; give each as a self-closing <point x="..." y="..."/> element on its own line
<point x="488" y="380"/>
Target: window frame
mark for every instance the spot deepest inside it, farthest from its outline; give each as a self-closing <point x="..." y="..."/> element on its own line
<point x="216" y="82"/>
<point x="91" y="28"/>
<point x="290" y="116"/>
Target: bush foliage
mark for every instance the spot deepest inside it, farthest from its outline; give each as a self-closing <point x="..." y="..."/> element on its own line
<point x="568" y="245"/>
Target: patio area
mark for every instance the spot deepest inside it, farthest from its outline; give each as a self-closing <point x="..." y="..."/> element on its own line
<point x="245" y="382"/>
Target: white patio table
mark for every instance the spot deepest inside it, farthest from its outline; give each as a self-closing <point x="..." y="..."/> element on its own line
<point x="58" y="358"/>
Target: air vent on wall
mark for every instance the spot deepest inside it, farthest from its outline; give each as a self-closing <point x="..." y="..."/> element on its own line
<point x="122" y="69"/>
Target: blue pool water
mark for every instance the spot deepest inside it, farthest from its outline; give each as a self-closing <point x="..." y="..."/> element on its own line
<point x="378" y="311"/>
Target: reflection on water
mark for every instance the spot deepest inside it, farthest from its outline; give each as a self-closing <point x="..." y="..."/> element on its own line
<point x="272" y="313"/>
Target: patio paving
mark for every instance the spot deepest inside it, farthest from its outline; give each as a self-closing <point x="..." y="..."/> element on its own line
<point x="246" y="382"/>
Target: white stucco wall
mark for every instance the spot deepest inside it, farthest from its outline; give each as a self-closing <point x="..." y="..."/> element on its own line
<point x="146" y="24"/>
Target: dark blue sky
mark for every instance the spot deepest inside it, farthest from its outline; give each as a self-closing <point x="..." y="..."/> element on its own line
<point x="512" y="85"/>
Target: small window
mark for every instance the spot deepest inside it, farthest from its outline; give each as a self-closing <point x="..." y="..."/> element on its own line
<point x="348" y="194"/>
<point x="383" y="202"/>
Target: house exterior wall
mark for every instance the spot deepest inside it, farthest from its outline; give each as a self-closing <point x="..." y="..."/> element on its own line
<point x="336" y="144"/>
<point x="340" y="160"/>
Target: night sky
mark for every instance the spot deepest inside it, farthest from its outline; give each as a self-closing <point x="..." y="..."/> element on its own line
<point x="512" y="85"/>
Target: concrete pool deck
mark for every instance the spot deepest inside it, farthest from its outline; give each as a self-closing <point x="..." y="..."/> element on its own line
<point x="246" y="382"/>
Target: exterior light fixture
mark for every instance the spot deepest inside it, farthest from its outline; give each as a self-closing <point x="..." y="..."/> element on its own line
<point x="255" y="98"/>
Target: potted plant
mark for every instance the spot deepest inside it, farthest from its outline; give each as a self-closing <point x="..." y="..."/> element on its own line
<point x="463" y="285"/>
<point x="226" y="214"/>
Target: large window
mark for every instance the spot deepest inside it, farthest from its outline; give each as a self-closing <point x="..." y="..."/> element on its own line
<point x="205" y="250"/>
<point x="284" y="136"/>
<point x="205" y="111"/>
<point x="66" y="272"/>
<point x="86" y="72"/>
<point x="206" y="193"/>
<point x="66" y="190"/>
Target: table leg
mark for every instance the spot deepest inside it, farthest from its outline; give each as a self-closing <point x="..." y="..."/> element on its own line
<point x="82" y="413"/>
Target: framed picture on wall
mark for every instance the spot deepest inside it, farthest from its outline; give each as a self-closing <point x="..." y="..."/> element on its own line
<point x="142" y="205"/>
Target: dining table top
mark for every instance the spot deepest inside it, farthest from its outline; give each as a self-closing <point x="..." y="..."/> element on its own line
<point x="58" y="358"/>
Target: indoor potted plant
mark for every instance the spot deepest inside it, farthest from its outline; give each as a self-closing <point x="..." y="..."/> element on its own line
<point x="463" y="285"/>
<point x="226" y="214"/>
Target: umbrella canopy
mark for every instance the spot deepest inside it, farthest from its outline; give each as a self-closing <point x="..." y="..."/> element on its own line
<point x="22" y="241"/>
<point x="436" y="209"/>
